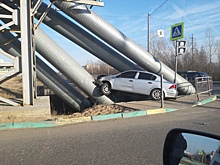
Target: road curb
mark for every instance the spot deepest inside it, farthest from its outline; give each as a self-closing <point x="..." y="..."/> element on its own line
<point x="134" y="114"/>
<point x="61" y="121"/>
<point x="107" y="117"/>
<point x="19" y="125"/>
<point x="213" y="98"/>
<point x="171" y="109"/>
<point x="156" y="111"/>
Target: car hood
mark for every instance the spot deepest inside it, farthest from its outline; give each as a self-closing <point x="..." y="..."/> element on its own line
<point x="107" y="77"/>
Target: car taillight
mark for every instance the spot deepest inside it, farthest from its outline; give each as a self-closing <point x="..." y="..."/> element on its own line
<point x="172" y="86"/>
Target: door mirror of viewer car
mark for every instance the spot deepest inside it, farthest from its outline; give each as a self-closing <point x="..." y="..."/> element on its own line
<point x="191" y="147"/>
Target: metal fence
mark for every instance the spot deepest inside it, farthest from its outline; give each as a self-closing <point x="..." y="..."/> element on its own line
<point x="203" y="85"/>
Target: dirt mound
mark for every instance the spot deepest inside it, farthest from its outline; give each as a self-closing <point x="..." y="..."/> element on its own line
<point x="100" y="110"/>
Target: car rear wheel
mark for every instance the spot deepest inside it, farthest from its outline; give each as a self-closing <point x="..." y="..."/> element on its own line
<point x="156" y="94"/>
<point x="106" y="89"/>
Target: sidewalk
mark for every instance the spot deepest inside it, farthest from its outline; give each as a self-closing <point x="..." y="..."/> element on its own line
<point x="181" y="102"/>
<point x="137" y="108"/>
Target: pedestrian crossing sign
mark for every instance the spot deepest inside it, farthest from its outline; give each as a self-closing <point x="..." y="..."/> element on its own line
<point x="177" y="31"/>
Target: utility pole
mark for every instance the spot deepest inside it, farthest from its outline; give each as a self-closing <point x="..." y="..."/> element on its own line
<point x="148" y="16"/>
<point x="192" y="49"/>
<point x="148" y="34"/>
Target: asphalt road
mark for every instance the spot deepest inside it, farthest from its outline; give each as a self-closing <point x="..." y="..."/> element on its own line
<point x="216" y="89"/>
<point x="122" y="141"/>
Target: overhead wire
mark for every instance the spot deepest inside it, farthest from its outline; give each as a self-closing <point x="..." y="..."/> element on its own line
<point x="159" y="7"/>
<point x="184" y="9"/>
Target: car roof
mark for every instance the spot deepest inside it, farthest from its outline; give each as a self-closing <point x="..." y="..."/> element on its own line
<point x="138" y="71"/>
<point x="186" y="71"/>
<point x="142" y="71"/>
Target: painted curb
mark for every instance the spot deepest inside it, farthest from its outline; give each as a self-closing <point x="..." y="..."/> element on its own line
<point x="107" y="117"/>
<point x="156" y="111"/>
<point x="20" y="125"/>
<point x="73" y="120"/>
<point x="171" y="109"/>
<point x="205" y="101"/>
<point x="61" y="121"/>
<point x="134" y="114"/>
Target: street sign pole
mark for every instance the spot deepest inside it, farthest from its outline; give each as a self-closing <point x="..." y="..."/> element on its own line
<point x="175" y="61"/>
<point x="176" y="32"/>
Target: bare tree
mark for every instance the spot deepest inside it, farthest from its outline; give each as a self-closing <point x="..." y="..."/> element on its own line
<point x="163" y="51"/>
<point x="210" y="46"/>
<point x="217" y="64"/>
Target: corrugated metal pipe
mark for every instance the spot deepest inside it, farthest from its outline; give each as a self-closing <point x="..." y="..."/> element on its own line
<point x="48" y="77"/>
<point x="120" y="42"/>
<point x="68" y="66"/>
<point x="85" y="40"/>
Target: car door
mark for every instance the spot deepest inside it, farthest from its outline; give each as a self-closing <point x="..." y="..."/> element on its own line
<point x="145" y="83"/>
<point x="124" y="81"/>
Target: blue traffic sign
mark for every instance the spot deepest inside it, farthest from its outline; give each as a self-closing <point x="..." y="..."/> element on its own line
<point x="177" y="31"/>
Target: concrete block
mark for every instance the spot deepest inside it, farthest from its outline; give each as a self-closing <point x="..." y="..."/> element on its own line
<point x="38" y="112"/>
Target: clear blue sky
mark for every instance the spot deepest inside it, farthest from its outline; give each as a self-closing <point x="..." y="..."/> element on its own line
<point x="130" y="17"/>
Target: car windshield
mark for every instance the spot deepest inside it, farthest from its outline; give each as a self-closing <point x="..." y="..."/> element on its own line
<point x="203" y="74"/>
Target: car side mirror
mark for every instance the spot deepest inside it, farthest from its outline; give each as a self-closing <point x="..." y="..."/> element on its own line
<point x="191" y="147"/>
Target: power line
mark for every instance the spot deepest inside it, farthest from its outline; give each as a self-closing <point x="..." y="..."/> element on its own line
<point x="124" y="16"/>
<point x="159" y="7"/>
<point x="148" y="32"/>
<point x="184" y="8"/>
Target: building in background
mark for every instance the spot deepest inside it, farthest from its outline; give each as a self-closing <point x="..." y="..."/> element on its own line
<point x="5" y="66"/>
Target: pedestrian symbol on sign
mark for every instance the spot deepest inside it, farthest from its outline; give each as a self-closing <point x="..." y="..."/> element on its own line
<point x="177" y="31"/>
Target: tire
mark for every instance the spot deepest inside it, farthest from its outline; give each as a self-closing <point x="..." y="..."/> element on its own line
<point x="155" y="94"/>
<point x="106" y="88"/>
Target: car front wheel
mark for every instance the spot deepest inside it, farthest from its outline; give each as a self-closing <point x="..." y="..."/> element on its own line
<point x="106" y="88"/>
<point x="156" y="94"/>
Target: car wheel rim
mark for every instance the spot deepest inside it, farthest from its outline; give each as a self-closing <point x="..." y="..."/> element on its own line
<point x="106" y="88"/>
<point x="157" y="94"/>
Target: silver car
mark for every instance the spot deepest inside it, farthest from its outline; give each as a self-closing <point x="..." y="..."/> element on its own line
<point x="140" y="82"/>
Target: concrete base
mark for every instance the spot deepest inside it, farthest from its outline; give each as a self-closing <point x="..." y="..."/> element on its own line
<point x="40" y="111"/>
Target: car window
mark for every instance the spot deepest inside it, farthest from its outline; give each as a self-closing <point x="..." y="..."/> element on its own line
<point x="127" y="75"/>
<point x="191" y="75"/>
<point x="146" y="76"/>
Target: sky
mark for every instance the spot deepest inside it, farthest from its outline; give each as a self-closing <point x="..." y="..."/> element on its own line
<point x="130" y="17"/>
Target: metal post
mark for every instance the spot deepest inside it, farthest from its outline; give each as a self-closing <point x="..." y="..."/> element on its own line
<point x="27" y="51"/>
<point x="161" y="84"/>
<point x="148" y="34"/>
<point x="175" y="61"/>
<point x="209" y="93"/>
<point x="197" y="89"/>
